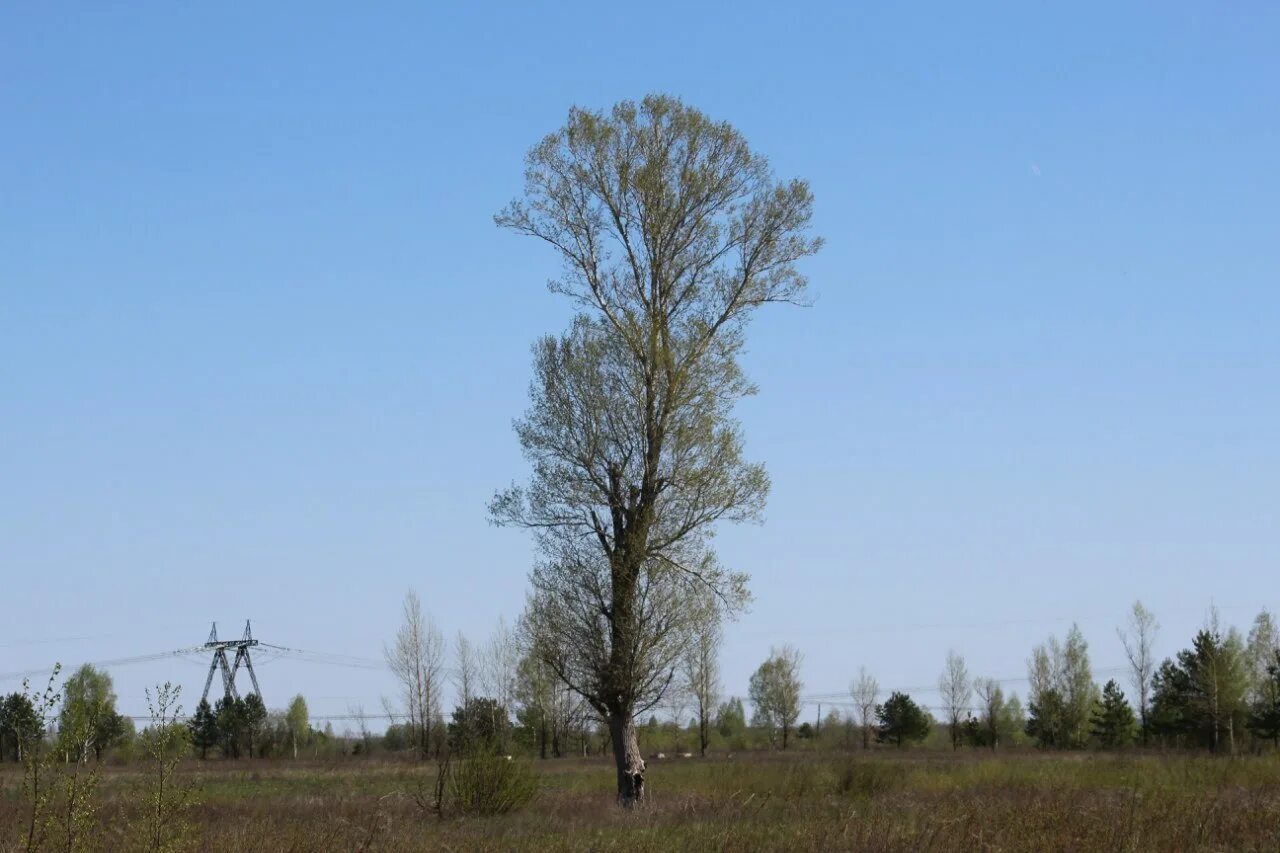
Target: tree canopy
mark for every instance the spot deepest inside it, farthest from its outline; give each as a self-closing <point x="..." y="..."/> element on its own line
<point x="671" y="231"/>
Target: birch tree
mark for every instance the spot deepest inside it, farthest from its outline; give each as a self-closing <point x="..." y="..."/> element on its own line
<point x="775" y="693"/>
<point x="701" y="674"/>
<point x="416" y="659"/>
<point x="1262" y="650"/>
<point x="956" y="690"/>
<point x="500" y="667"/>
<point x="671" y="232"/>
<point x="1138" y="641"/>
<point x="991" y="709"/>
<point x="866" y="693"/>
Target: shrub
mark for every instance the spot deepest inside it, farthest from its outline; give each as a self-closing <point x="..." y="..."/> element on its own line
<point x="491" y="785"/>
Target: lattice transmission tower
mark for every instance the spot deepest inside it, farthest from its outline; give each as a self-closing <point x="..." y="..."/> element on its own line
<point x="229" y="670"/>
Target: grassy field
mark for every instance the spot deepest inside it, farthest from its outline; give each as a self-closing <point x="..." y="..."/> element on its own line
<point x="882" y="801"/>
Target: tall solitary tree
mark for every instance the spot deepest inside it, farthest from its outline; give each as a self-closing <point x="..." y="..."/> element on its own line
<point x="700" y="671"/>
<point x="956" y="689"/>
<point x="865" y="692"/>
<point x="416" y="659"/>
<point x="1138" y="641"/>
<point x="671" y="232"/>
<point x="775" y="693"/>
<point x="901" y="720"/>
<point x="89" y="722"/>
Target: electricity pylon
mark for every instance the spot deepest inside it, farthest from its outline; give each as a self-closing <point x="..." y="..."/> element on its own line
<point x="220" y="648"/>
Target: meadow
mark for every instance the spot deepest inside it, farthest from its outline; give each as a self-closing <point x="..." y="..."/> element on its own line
<point x="881" y="801"/>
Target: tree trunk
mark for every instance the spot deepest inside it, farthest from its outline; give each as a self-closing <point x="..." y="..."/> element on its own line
<point x="626" y="755"/>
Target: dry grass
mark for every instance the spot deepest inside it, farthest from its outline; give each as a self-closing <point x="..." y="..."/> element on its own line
<point x="881" y="802"/>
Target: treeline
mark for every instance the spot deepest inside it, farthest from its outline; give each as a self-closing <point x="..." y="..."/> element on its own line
<point x="1221" y="693"/>
<point x="80" y="721"/>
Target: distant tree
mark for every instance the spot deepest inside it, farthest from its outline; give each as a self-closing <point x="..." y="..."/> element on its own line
<point x="1220" y="679"/>
<point x="1202" y="697"/>
<point x="1062" y="692"/>
<point x="1264" y="718"/>
<point x="203" y="728"/>
<point x="1263" y="651"/>
<point x="1013" y="720"/>
<point x="700" y="672"/>
<point x="774" y="691"/>
<point x="1172" y="718"/>
<point x="416" y="659"/>
<point x="956" y="691"/>
<point x="500" y="675"/>
<point x="990" y="710"/>
<point x="1138" y="641"/>
<point x="832" y="723"/>
<point x="1046" y="719"/>
<point x="535" y="692"/>
<point x="1112" y="723"/>
<point x="466" y="670"/>
<point x="254" y="716"/>
<point x="297" y="721"/>
<point x="731" y="718"/>
<point x="19" y="725"/>
<point x="902" y="721"/>
<point x="805" y="731"/>
<point x="230" y="714"/>
<point x="865" y="691"/>
<point x="89" y="722"/>
<point x="399" y="736"/>
<point x="479" y="727"/>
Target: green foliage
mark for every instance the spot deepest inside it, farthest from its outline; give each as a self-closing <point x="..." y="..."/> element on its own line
<point x="1201" y="698"/>
<point x="480" y="726"/>
<point x="671" y="233"/>
<point x="1062" y="692"/>
<point x="1264" y="720"/>
<point x="240" y="724"/>
<point x="775" y="694"/>
<point x="297" y="722"/>
<point x="203" y="729"/>
<point x="1046" y="720"/>
<point x="731" y="718"/>
<point x="89" y="722"/>
<point x="486" y="785"/>
<point x="164" y="825"/>
<point x="1113" y="723"/>
<point x="902" y="721"/>
<point x="19" y="725"/>
<point x="37" y="791"/>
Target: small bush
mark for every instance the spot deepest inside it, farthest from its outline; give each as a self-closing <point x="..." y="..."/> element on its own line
<point x="865" y="778"/>
<point x="491" y="785"/>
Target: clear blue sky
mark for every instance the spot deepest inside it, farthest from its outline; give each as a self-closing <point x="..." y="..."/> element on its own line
<point x="261" y="344"/>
